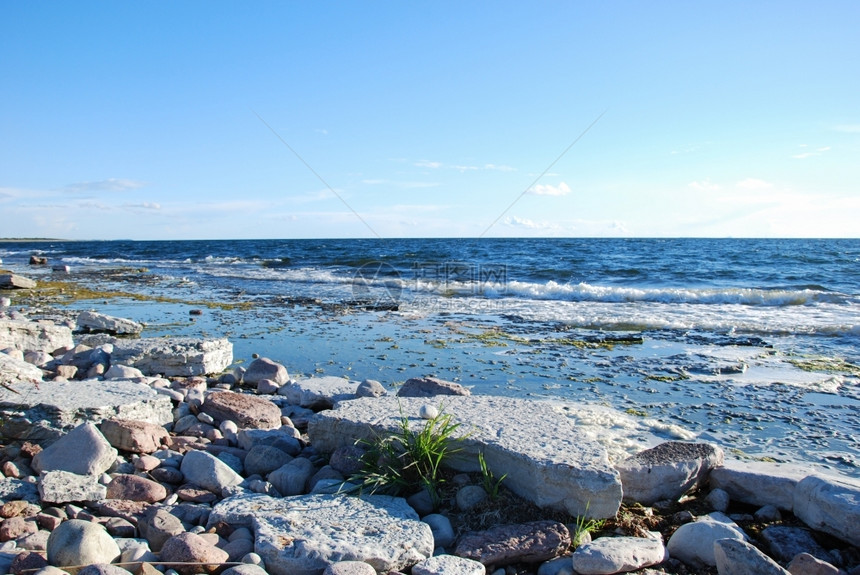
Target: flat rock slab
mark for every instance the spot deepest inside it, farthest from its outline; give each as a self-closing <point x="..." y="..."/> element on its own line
<point x="99" y="322"/>
<point x="44" y="411"/>
<point x="759" y="483"/>
<point x="319" y="392"/>
<point x="829" y="505"/>
<point x="14" y="281"/>
<point x="34" y="336"/>
<point x="176" y="356"/>
<point x="546" y="458"/>
<point x="618" y="555"/>
<point x="303" y="535"/>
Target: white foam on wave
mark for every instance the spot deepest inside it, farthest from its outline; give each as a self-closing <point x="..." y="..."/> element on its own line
<point x="746" y="296"/>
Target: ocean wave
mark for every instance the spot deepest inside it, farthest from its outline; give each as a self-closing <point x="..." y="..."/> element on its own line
<point x="615" y="294"/>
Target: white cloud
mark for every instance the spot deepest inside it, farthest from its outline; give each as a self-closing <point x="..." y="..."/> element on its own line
<point x="428" y="164"/>
<point x="817" y="152"/>
<point x="399" y="184"/>
<point x="108" y="185"/>
<point x="549" y="190"/>
<point x="464" y="168"/>
<point x="704" y="186"/>
<point x="518" y="222"/>
<point x="144" y="206"/>
<point x="754" y="184"/>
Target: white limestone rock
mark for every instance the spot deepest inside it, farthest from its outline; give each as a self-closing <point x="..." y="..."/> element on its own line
<point x="547" y="459"/>
<point x="449" y="565"/>
<point x="14" y="281"/>
<point x="51" y="408"/>
<point x="65" y="487"/>
<point x="177" y="356"/>
<point x="99" y="322"/>
<point x="759" y="483"/>
<point x="734" y="557"/>
<point x="83" y="450"/>
<point x="618" y="555"/>
<point x="829" y="505"/>
<point x="117" y="371"/>
<point x="301" y="535"/>
<point x="18" y="376"/>
<point x="319" y="392"/>
<point x="34" y="336"/>
<point x="693" y="543"/>
<point x="667" y="471"/>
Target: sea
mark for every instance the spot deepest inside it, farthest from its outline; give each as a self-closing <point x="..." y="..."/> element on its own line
<point x="752" y="344"/>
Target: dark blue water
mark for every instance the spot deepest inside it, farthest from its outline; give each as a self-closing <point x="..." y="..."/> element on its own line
<point x="751" y="343"/>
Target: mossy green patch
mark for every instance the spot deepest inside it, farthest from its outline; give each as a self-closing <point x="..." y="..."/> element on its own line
<point x="66" y="292"/>
<point x="827" y="365"/>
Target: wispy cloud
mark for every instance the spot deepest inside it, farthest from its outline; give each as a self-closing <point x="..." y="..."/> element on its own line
<point x="463" y="167"/>
<point x="108" y="185"/>
<point x="704" y="186"/>
<point x="754" y="184"/>
<point x="143" y="206"/>
<point x="400" y="184"/>
<point x="518" y="222"/>
<point x="816" y="152"/>
<point x="549" y="190"/>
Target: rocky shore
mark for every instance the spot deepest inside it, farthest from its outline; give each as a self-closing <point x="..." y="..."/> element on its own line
<point x="126" y="454"/>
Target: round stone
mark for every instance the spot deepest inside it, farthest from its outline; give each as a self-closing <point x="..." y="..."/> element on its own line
<point x="78" y="542"/>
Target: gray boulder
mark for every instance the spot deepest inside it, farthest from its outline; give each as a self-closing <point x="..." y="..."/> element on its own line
<point x="786" y="542"/>
<point x="302" y="535"/>
<point x="34" y="336"/>
<point x="99" y="322"/>
<point x="734" y="557"/>
<point x="77" y="542"/>
<point x="264" y="368"/>
<point x="292" y="477"/>
<point x="319" y="392"/>
<point x="693" y="543"/>
<point x="547" y="459"/>
<point x="176" y="356"/>
<point x="12" y="489"/>
<point x="83" y="450"/>
<point x="829" y="505"/>
<point x="618" y="555"/>
<point x="209" y="472"/>
<point x="667" y="471"/>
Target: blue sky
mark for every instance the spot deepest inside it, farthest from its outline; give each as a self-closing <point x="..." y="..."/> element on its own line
<point x="215" y="119"/>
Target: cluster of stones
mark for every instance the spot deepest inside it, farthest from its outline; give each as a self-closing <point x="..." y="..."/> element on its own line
<point x="144" y="464"/>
